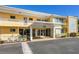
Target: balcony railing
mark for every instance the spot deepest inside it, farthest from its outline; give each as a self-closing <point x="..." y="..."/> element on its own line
<point x="60" y="23"/>
<point x="12" y="20"/>
<point x="28" y="21"/>
<point x="20" y="20"/>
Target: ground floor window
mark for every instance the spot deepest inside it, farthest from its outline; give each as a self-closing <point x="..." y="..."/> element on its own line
<point x="12" y="30"/>
<point x="24" y="31"/>
<point x="45" y="32"/>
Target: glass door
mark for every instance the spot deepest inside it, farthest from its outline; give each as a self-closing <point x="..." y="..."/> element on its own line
<point x="42" y="32"/>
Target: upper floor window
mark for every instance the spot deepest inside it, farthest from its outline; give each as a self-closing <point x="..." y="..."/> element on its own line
<point x="59" y="20"/>
<point x="30" y="19"/>
<point x="25" y="18"/>
<point x="56" y="19"/>
<point x="42" y="20"/>
<point x="38" y="19"/>
<point x="46" y="20"/>
<point x="12" y="17"/>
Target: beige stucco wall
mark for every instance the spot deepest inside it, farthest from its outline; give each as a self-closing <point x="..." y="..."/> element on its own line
<point x="5" y="33"/>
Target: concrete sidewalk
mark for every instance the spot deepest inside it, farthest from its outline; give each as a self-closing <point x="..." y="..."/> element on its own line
<point x="26" y="49"/>
<point x="15" y="48"/>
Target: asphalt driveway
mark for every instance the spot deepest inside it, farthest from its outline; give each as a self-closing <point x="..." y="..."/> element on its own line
<point x="62" y="46"/>
<point x="15" y="48"/>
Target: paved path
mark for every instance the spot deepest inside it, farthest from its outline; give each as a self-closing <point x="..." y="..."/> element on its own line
<point x="26" y="49"/>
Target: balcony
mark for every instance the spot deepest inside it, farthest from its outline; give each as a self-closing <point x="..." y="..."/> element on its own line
<point x="14" y="22"/>
<point x="19" y="22"/>
<point x="58" y="21"/>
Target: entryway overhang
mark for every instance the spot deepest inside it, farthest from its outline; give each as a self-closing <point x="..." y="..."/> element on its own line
<point x="41" y="24"/>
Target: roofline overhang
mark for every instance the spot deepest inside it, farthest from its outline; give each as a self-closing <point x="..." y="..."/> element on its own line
<point x="24" y="12"/>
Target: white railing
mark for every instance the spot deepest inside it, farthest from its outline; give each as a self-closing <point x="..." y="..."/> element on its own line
<point x="21" y="20"/>
<point x="58" y="23"/>
<point x="13" y="20"/>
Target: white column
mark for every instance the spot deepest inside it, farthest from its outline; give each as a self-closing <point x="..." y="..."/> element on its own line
<point x="31" y="38"/>
<point x="45" y="32"/>
<point x="36" y="33"/>
<point x="53" y="32"/>
<point x="27" y="19"/>
<point x="40" y="32"/>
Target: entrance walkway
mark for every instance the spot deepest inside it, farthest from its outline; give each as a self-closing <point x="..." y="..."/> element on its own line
<point x="26" y="49"/>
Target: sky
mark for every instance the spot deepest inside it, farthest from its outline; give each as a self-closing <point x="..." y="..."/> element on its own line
<point x="64" y="10"/>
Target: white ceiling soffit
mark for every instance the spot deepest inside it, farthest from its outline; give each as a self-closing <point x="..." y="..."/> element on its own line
<point x="23" y="12"/>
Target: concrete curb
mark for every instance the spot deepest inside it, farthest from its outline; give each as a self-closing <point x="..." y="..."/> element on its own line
<point x="46" y="39"/>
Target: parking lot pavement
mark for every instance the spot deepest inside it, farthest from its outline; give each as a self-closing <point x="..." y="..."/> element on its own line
<point x="11" y="49"/>
<point x="61" y="46"/>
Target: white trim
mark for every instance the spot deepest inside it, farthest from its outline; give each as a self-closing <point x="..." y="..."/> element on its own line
<point x="54" y="32"/>
<point x="31" y="37"/>
<point x="36" y="32"/>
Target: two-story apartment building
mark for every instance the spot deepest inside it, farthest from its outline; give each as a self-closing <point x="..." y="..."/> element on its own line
<point x="15" y="22"/>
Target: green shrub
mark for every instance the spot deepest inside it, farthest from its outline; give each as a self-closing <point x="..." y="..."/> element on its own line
<point x="22" y="37"/>
<point x="1" y="42"/>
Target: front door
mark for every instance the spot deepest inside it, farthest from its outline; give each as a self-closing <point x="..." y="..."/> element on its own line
<point x="48" y="32"/>
<point x="43" y="32"/>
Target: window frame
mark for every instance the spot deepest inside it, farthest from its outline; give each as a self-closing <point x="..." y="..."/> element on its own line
<point x="12" y="30"/>
<point x="31" y="19"/>
<point x="12" y="17"/>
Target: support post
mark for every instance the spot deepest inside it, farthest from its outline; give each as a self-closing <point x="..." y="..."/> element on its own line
<point x="36" y="33"/>
<point x="53" y="32"/>
<point x="31" y="38"/>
